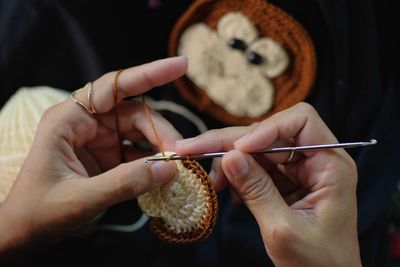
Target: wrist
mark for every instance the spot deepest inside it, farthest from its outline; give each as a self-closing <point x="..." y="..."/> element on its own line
<point x="14" y="234"/>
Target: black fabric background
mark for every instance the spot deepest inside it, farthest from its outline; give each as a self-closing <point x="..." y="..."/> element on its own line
<point x="67" y="43"/>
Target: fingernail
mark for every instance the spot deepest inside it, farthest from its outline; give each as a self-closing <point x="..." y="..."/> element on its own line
<point x="162" y="172"/>
<point x="241" y="140"/>
<point x="238" y="166"/>
<point x="211" y="174"/>
<point x="184" y="57"/>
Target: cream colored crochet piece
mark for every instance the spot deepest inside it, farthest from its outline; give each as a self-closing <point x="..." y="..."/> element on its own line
<point x="235" y="24"/>
<point x="182" y="203"/>
<point x="225" y="74"/>
<point x="19" y="119"/>
<point x="277" y="59"/>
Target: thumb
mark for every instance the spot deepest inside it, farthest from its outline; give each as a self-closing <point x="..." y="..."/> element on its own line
<point x="256" y="188"/>
<point x="127" y="181"/>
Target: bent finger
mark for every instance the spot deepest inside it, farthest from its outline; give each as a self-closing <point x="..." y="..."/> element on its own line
<point x="224" y="139"/>
<point x="131" y="82"/>
<point x="134" y="123"/>
<point x="211" y="141"/>
<point x="300" y="123"/>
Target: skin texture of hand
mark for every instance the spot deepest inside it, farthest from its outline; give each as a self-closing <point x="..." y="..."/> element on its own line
<point x="73" y="170"/>
<point x="306" y="209"/>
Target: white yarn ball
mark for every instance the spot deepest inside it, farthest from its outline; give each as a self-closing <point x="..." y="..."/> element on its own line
<point x="19" y="119"/>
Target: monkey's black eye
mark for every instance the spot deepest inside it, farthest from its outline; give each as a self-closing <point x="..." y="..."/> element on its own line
<point x="238" y="44"/>
<point x="254" y="58"/>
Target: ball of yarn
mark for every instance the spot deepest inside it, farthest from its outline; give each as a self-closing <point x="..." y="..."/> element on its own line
<point x="19" y="119"/>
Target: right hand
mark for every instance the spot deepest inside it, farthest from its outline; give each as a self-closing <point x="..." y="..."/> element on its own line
<point x="318" y="227"/>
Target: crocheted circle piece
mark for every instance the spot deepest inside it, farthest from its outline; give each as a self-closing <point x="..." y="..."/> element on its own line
<point x="258" y="38"/>
<point x="185" y="209"/>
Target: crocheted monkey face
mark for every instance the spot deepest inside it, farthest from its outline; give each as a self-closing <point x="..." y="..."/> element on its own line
<point x="233" y="65"/>
<point x="247" y="59"/>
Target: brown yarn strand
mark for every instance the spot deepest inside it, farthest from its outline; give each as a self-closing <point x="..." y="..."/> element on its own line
<point x="150" y="119"/>
<point x="117" y="128"/>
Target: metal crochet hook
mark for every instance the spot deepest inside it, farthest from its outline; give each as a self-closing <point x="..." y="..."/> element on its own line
<point x="266" y="151"/>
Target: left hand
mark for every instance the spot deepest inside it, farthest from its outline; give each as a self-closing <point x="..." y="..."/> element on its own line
<point x="73" y="170"/>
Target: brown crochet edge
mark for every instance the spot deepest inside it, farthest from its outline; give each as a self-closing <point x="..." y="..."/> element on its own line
<point x="286" y="96"/>
<point x="161" y="230"/>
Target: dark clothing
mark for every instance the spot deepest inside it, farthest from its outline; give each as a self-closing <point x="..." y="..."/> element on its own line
<point x="67" y="43"/>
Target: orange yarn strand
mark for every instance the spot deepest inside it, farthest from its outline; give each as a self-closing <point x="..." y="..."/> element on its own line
<point x="148" y="114"/>
<point x="115" y="93"/>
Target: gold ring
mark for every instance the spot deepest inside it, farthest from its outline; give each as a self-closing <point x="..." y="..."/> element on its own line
<point x="89" y="87"/>
<point x="290" y="158"/>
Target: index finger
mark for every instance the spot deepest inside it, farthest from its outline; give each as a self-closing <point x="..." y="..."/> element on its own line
<point x="211" y="141"/>
<point x="133" y="81"/>
<point x="300" y="123"/>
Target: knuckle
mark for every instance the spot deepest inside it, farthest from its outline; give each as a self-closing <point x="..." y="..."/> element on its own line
<point x="77" y="209"/>
<point x="212" y="138"/>
<point x="353" y="166"/>
<point x="211" y="133"/>
<point x="125" y="187"/>
<point x="129" y="185"/>
<point x="258" y="189"/>
<point x="148" y="79"/>
<point x="274" y="120"/>
<point x="346" y="170"/>
<point x="48" y="119"/>
<point x="353" y="173"/>
<point x="108" y="76"/>
<point x="282" y="233"/>
<point x="280" y="237"/>
<point x="48" y="113"/>
<point x="306" y="108"/>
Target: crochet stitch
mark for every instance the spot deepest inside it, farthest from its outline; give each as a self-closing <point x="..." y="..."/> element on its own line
<point x="185" y="209"/>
